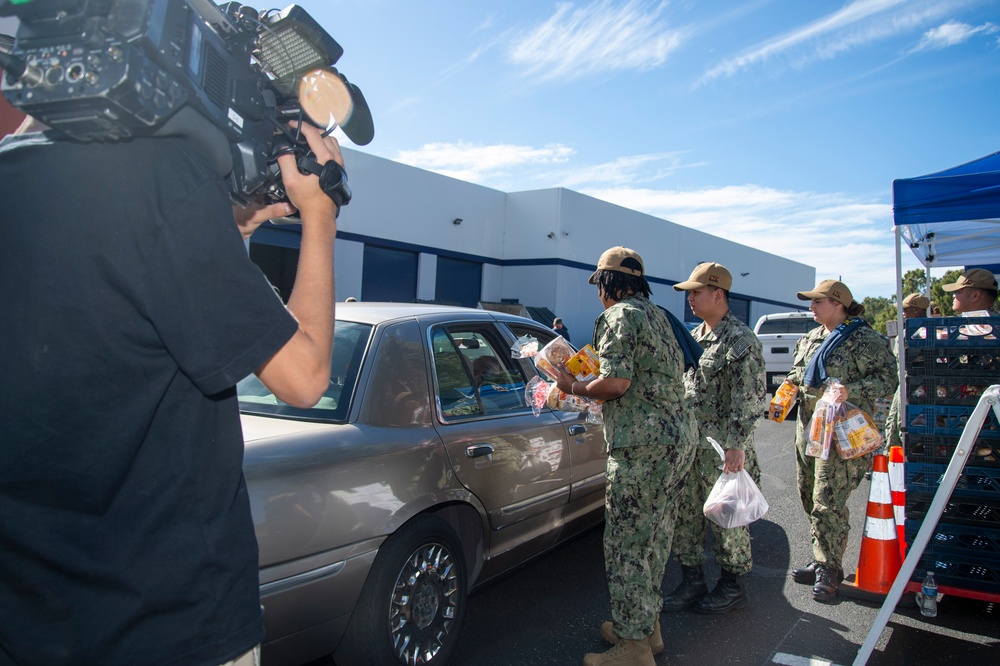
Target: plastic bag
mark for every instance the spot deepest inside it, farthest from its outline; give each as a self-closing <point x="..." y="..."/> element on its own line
<point x="841" y="425"/>
<point x="856" y="433"/>
<point x="735" y="499"/>
<point x="539" y="394"/>
<point x="551" y="355"/>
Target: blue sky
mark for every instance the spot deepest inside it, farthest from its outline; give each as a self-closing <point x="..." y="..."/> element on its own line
<point x="779" y="124"/>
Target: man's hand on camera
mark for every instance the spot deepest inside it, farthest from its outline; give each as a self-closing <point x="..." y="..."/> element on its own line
<point x="256" y="214"/>
<point x="304" y="190"/>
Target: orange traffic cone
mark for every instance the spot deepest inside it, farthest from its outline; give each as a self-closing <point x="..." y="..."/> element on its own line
<point x="897" y="485"/>
<point x="880" y="560"/>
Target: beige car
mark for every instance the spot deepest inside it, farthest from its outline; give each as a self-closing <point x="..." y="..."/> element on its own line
<point x="421" y="474"/>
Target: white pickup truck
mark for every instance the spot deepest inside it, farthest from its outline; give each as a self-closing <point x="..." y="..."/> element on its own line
<point x="778" y="333"/>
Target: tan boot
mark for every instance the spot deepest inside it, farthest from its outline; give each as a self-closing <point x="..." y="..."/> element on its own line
<point x="625" y="653"/>
<point x="655" y="640"/>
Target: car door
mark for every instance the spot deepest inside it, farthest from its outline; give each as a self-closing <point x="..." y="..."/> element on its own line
<point x="514" y="462"/>
<point x="587" y="448"/>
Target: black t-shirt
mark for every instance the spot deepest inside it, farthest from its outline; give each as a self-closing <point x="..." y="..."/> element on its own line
<point x="130" y="311"/>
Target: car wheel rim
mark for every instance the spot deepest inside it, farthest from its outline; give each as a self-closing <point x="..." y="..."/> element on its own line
<point x="424" y="604"/>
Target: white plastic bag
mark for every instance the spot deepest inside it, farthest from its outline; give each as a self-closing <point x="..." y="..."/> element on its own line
<point x="735" y="499"/>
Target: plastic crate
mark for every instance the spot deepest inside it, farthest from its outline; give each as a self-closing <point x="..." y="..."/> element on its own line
<point x="958" y="390"/>
<point x="938" y="449"/>
<point x="975" y="512"/>
<point x="953" y="332"/>
<point x="954" y="361"/>
<point x="961" y="541"/>
<point x="965" y="572"/>
<point x="947" y="420"/>
<point x="974" y="482"/>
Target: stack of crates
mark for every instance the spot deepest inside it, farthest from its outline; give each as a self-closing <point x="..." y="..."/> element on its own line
<point x="950" y="362"/>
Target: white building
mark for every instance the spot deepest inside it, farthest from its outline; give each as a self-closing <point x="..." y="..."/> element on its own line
<point x="410" y="234"/>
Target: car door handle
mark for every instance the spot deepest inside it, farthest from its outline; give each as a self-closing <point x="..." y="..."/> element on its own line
<point x="577" y="429"/>
<point x="477" y="450"/>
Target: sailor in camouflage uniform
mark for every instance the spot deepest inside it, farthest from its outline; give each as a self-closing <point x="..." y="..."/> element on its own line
<point x="861" y="360"/>
<point x="914" y="306"/>
<point x="727" y="390"/>
<point x="650" y="434"/>
<point x="975" y="290"/>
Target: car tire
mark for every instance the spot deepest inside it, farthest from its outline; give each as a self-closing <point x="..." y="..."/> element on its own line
<point x="413" y="603"/>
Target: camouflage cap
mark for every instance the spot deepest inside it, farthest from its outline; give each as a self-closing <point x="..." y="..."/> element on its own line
<point x="916" y="300"/>
<point x="835" y="290"/>
<point x="707" y="274"/>
<point x="980" y="278"/>
<point x="613" y="260"/>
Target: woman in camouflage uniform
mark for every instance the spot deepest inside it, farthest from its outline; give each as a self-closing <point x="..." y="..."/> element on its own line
<point x="864" y="364"/>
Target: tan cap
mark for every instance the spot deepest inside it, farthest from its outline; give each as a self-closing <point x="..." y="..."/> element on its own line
<point x="707" y="274"/>
<point x="612" y="260"/>
<point x="916" y="301"/>
<point x="980" y="278"/>
<point x="835" y="290"/>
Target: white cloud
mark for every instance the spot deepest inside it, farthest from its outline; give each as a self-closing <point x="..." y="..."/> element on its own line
<point x="839" y="234"/>
<point x="857" y="24"/>
<point x="600" y="37"/>
<point x="952" y="33"/>
<point x="479" y="163"/>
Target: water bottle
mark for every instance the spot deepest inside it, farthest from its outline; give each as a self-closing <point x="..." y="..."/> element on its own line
<point x="928" y="600"/>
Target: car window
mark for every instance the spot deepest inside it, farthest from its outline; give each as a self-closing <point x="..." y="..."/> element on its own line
<point x="349" y="344"/>
<point x="474" y="372"/>
<point x="801" y="325"/>
<point x="773" y="326"/>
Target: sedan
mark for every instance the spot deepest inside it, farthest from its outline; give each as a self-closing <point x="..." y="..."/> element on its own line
<point x="419" y="475"/>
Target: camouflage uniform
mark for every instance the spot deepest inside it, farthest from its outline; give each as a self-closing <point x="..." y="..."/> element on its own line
<point x="650" y="434"/>
<point x="728" y="390"/>
<point x="864" y="364"/>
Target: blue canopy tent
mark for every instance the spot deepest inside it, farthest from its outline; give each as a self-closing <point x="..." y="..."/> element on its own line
<point x="952" y="217"/>
<point x="949" y="218"/>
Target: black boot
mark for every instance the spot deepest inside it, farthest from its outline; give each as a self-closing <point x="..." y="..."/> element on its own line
<point x="827" y="578"/>
<point x="729" y="594"/>
<point x="691" y="588"/>
<point x="807" y="574"/>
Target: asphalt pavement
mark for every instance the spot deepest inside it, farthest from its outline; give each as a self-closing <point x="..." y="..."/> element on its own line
<point x="549" y="611"/>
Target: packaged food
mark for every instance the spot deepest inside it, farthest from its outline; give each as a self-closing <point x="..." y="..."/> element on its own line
<point x="584" y="365"/>
<point x="821" y="430"/>
<point x="782" y="402"/>
<point x="551" y="355"/>
<point x="856" y="432"/>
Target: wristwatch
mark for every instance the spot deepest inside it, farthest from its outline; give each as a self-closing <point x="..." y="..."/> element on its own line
<point x="332" y="179"/>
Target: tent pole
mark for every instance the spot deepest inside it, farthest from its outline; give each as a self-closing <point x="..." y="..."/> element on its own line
<point x="900" y="331"/>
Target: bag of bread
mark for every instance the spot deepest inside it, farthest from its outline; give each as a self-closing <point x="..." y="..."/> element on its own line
<point x="819" y="435"/>
<point x="856" y="433"/>
<point x="551" y="355"/>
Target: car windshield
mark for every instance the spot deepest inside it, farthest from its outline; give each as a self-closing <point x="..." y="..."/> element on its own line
<point x="349" y="345"/>
<point x="772" y="326"/>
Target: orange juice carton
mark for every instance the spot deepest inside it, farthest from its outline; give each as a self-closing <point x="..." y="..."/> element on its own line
<point x="584" y="365"/>
<point x="782" y="402"/>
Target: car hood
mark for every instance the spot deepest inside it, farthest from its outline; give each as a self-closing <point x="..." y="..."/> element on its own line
<point x="256" y="428"/>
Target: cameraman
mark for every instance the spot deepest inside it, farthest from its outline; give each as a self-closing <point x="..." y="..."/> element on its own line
<point x="131" y="312"/>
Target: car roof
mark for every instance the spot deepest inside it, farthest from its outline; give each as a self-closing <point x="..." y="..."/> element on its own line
<point x="367" y="312"/>
<point x="787" y="315"/>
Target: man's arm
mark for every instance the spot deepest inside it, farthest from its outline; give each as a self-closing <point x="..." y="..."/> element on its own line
<point x="299" y="372"/>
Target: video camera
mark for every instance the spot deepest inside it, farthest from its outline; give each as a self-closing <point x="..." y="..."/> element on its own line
<point x="227" y="76"/>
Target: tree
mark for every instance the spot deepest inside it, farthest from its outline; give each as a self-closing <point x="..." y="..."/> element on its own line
<point x="878" y="310"/>
<point x="915" y="281"/>
<point x="941" y="297"/>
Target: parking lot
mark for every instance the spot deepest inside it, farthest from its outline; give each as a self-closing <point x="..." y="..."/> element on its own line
<point x="549" y="611"/>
